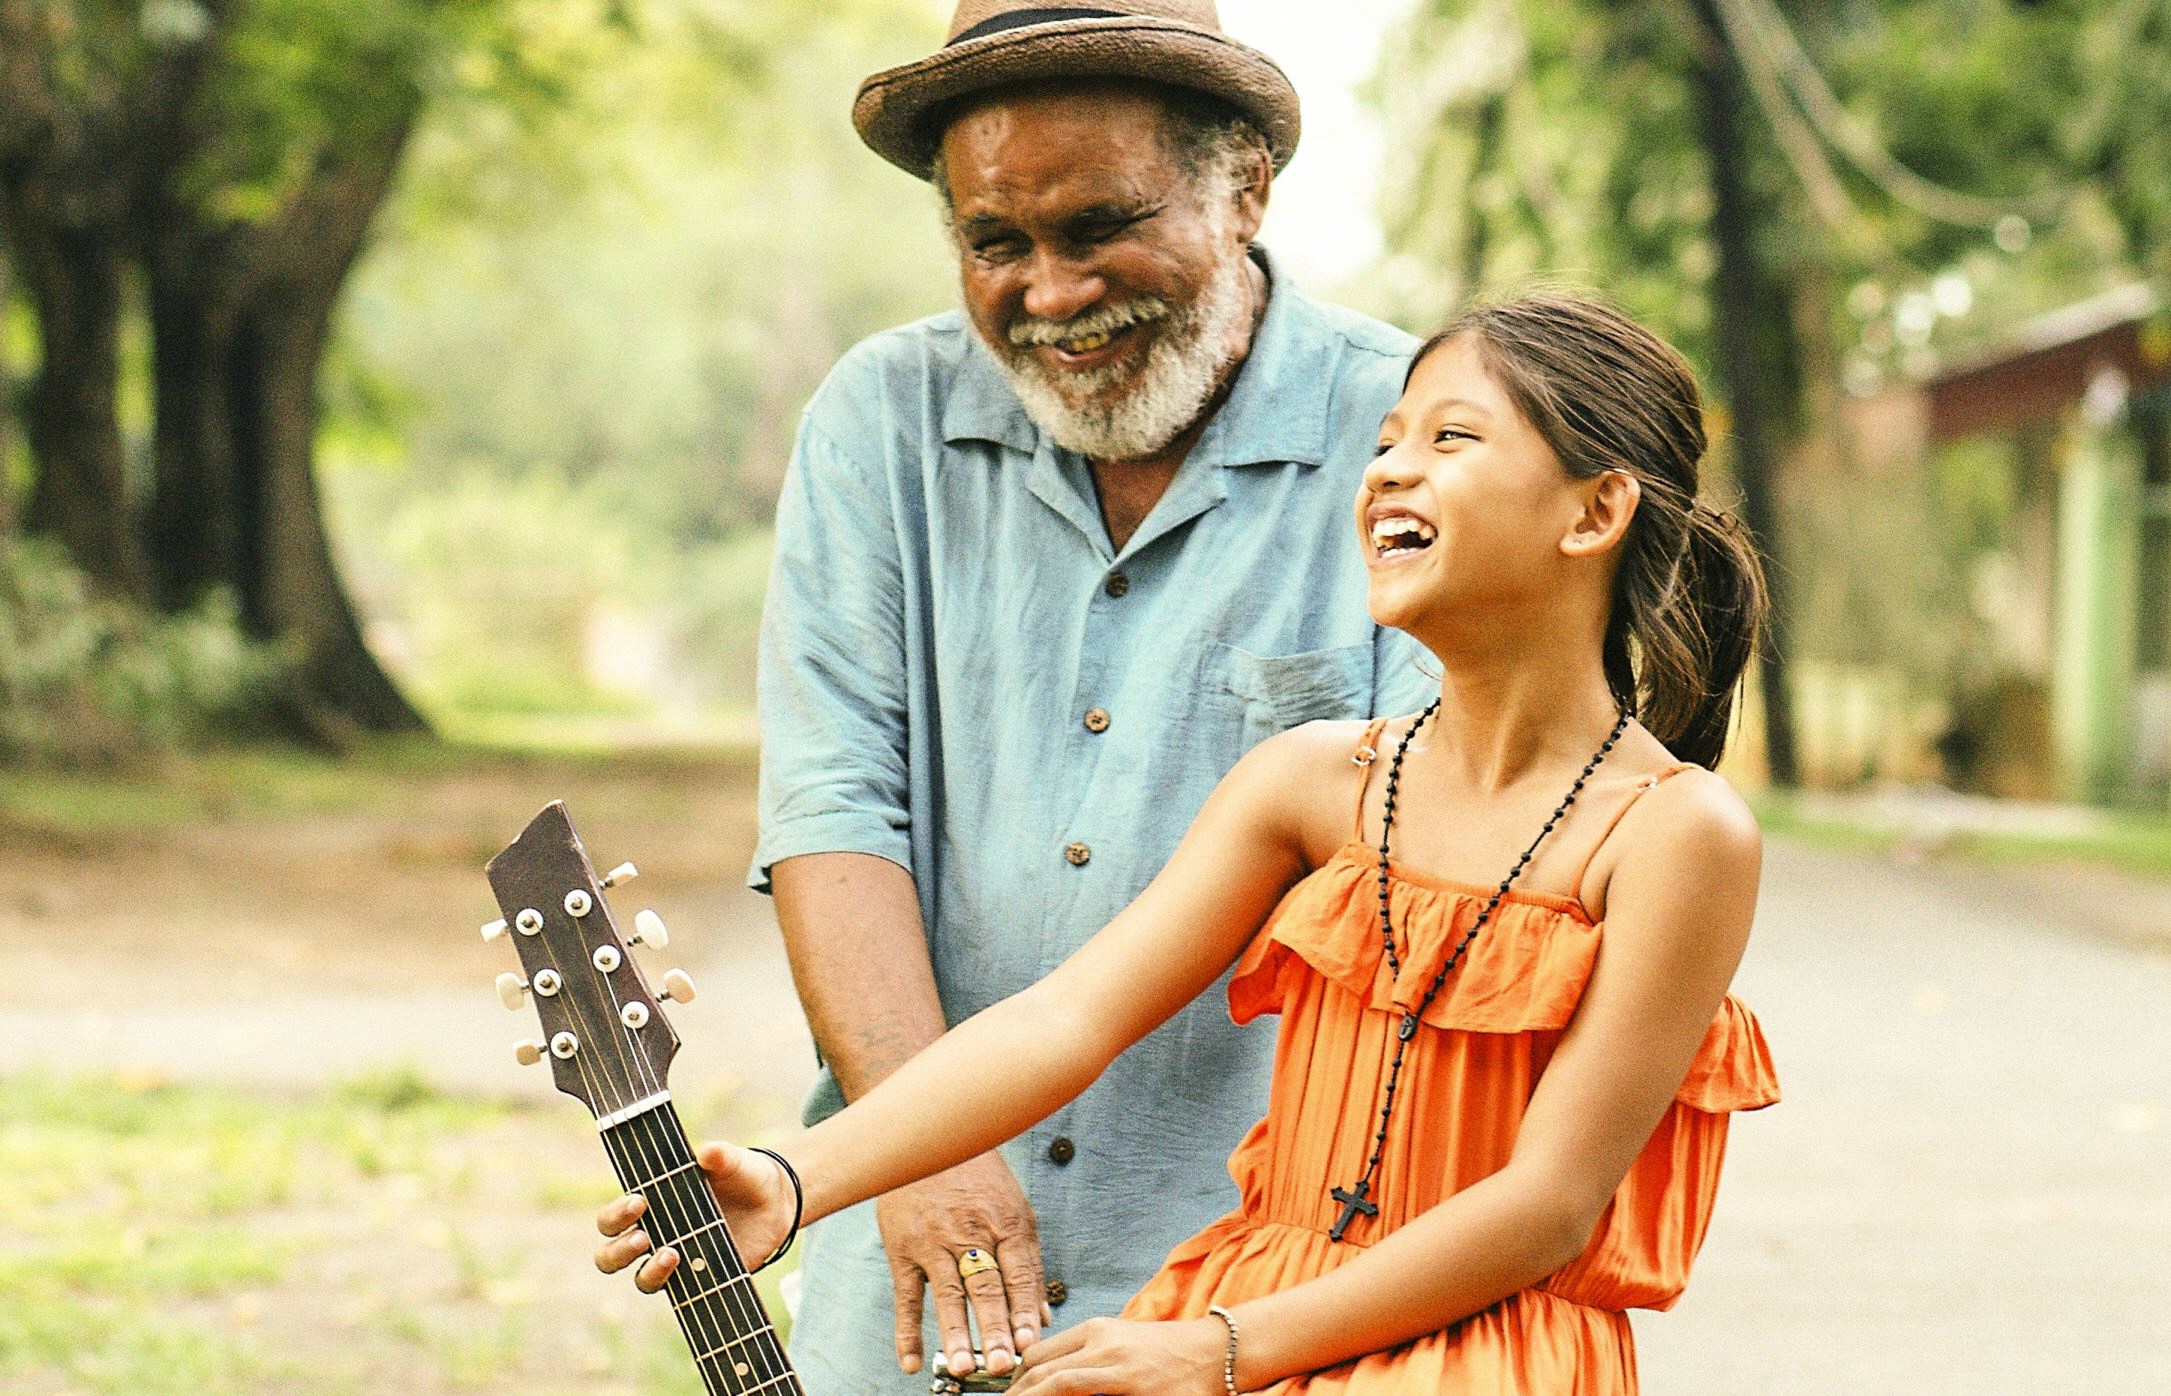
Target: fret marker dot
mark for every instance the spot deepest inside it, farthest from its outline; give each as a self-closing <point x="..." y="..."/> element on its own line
<point x="741" y="1368"/>
<point x="699" y="1265"/>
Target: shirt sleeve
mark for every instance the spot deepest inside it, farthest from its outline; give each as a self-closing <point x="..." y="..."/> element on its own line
<point x="1404" y="676"/>
<point x="832" y="672"/>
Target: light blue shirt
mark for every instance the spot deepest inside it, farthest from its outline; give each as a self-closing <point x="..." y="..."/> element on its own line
<point x="948" y="626"/>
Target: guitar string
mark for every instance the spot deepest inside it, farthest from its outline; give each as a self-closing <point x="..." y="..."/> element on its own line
<point x="706" y="1331"/>
<point x="746" y="1310"/>
<point x="599" y="1090"/>
<point x="685" y="1214"/>
<point x="742" y="1310"/>
<point x="648" y="1140"/>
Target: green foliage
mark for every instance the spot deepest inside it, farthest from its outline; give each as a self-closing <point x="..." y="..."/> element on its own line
<point x="571" y="369"/>
<point x="84" y="678"/>
<point x="1559" y="140"/>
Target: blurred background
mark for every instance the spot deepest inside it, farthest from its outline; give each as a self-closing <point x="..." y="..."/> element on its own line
<point x="393" y="398"/>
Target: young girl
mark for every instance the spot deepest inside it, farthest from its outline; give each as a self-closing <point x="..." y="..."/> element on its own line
<point x="1498" y="933"/>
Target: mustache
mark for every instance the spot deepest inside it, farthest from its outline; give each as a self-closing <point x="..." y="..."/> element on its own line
<point x="1027" y="331"/>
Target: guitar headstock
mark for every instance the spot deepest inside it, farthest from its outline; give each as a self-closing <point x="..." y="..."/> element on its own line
<point x="607" y="1040"/>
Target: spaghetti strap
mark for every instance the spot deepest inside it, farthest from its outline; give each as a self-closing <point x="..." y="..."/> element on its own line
<point x="1643" y="787"/>
<point x="1363" y="758"/>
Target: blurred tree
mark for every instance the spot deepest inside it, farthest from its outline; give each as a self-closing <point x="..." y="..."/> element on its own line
<point x="1694" y="158"/>
<point x="608" y="320"/>
<point x="8" y="406"/>
<point x="213" y="167"/>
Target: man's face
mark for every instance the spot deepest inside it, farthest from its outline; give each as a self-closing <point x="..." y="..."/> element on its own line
<point x="1107" y="278"/>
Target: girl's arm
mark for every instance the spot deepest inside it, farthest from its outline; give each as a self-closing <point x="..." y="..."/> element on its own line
<point x="1000" y="1072"/>
<point x="1678" y="914"/>
<point x="1003" y="1070"/>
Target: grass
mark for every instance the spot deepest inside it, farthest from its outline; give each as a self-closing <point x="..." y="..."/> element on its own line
<point x="157" y="1240"/>
<point x="375" y="777"/>
<point x="2128" y="841"/>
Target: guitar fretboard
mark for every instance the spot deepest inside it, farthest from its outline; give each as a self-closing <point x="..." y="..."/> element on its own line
<point x="735" y="1347"/>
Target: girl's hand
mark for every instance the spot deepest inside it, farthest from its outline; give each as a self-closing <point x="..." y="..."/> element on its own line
<point x="751" y="1191"/>
<point x="1118" y="1357"/>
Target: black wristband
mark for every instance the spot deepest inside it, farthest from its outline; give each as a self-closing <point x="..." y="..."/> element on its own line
<point x="799" y="1207"/>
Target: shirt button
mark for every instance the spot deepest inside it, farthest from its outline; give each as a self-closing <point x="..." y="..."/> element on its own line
<point x="1117" y="584"/>
<point x="1057" y="1293"/>
<point x="1096" y="719"/>
<point x="1061" y="1149"/>
<point x="1078" y="854"/>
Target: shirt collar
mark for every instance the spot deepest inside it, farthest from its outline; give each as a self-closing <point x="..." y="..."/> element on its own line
<point x="1276" y="411"/>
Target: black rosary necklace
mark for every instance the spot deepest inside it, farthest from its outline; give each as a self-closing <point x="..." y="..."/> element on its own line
<point x="1356" y="1199"/>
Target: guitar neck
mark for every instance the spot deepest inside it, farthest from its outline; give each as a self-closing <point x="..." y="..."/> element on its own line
<point x="735" y="1347"/>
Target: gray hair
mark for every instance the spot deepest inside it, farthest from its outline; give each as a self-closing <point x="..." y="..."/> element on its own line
<point x="1214" y="143"/>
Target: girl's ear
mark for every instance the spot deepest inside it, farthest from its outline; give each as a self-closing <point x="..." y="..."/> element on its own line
<point x="1609" y="505"/>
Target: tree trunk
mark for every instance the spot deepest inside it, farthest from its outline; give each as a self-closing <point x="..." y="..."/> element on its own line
<point x="241" y="317"/>
<point x="291" y="587"/>
<point x="71" y="416"/>
<point x="1737" y="307"/>
<point x="202" y="518"/>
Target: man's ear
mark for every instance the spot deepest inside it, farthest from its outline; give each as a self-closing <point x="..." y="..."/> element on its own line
<point x="1251" y="197"/>
<point x="1609" y="506"/>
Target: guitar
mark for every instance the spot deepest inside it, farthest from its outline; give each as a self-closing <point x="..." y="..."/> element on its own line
<point x="610" y="1046"/>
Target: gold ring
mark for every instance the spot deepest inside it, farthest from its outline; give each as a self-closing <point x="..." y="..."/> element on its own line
<point x="974" y="1262"/>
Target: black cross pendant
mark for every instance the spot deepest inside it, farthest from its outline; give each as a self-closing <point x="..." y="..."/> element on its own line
<point x="1353" y="1202"/>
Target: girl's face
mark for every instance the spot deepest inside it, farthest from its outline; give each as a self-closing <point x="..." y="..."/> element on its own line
<point x="1466" y="510"/>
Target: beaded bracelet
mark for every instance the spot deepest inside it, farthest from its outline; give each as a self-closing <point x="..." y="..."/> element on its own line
<point x="1228" y="1363"/>
<point x="799" y="1207"/>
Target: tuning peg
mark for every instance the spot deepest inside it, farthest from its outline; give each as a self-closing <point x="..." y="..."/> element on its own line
<point x="527" y="1053"/>
<point x="494" y="929"/>
<point x="512" y="990"/>
<point x="624" y="872"/>
<point x="678" y="986"/>
<point x="649" y="930"/>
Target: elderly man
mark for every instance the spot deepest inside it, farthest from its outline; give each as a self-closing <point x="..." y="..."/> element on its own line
<point x="1045" y="570"/>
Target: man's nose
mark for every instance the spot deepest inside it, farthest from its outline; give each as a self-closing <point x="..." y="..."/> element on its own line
<point x="1059" y="288"/>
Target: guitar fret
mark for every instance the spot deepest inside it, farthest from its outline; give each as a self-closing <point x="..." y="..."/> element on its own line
<point x="735" y="1342"/>
<point x="716" y="1289"/>
<point x="688" y="1236"/>
<point x="640" y="1184"/>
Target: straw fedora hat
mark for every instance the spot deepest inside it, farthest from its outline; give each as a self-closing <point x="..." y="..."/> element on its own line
<point x="995" y="43"/>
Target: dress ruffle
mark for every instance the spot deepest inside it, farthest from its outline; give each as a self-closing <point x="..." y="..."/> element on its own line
<point x="1524" y="973"/>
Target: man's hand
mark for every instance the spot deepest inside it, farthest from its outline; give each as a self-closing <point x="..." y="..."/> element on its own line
<point x="927" y="1226"/>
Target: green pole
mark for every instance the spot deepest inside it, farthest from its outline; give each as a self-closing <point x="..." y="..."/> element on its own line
<point x="2099" y="566"/>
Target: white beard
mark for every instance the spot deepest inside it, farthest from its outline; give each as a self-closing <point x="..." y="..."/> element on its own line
<point x="1183" y="368"/>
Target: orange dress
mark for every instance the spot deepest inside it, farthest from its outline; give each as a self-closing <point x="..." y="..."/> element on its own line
<point x="1469" y="1074"/>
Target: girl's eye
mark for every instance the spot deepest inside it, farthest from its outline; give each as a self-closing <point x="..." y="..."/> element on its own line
<point x="1383" y="448"/>
<point x="1446" y="433"/>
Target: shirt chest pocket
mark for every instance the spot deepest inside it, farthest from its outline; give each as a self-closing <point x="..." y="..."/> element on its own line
<point x="1273" y="693"/>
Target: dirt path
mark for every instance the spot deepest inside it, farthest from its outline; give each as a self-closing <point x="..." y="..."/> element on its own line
<point x="299" y="949"/>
